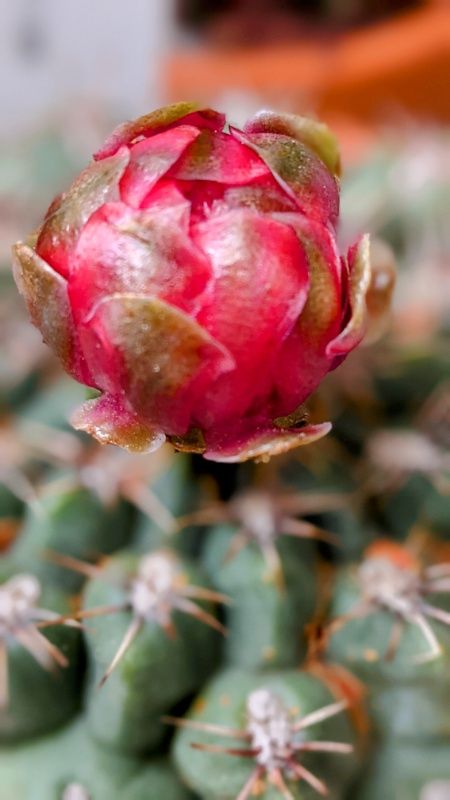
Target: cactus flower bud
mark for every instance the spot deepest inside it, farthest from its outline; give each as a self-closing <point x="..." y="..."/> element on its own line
<point x="191" y="275"/>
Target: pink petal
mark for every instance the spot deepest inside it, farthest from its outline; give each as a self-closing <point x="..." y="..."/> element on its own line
<point x="151" y="159"/>
<point x="299" y="172"/>
<point x="96" y="185"/>
<point x="359" y="284"/>
<point x="303" y="360"/>
<point x="154" y="354"/>
<point x="167" y="117"/>
<point x="121" y="250"/>
<point x="204" y="197"/>
<point x="263" y="445"/>
<point x="261" y="194"/>
<point x="46" y="297"/>
<point x="264" y="194"/>
<point x="260" y="287"/>
<point x="166" y="201"/>
<point x="219" y="157"/>
<point x="111" y="422"/>
<point x="317" y="136"/>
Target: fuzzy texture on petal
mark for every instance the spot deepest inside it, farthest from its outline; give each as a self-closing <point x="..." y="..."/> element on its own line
<point x="154" y="354"/>
<point x="108" y="420"/>
<point x="156" y="121"/>
<point x="122" y="250"/>
<point x="299" y="172"/>
<point x="314" y="134"/>
<point x="97" y="184"/>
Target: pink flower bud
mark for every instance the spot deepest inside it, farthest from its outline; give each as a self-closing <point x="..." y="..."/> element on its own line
<point x="191" y="275"/>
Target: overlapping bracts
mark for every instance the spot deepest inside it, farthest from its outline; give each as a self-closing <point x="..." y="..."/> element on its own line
<point x="191" y="275"/>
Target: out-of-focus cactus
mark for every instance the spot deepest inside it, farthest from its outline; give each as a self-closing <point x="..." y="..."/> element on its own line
<point x="279" y="734"/>
<point x="271" y="602"/>
<point x="72" y="522"/>
<point x="143" y="562"/>
<point x="69" y="765"/>
<point x="391" y="627"/>
<point x="154" y="639"/>
<point x="415" y="770"/>
<point x="40" y="659"/>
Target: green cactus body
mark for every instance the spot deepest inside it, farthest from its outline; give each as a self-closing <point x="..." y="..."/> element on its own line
<point x="407" y="771"/>
<point x="266" y="620"/>
<point x="221" y="776"/>
<point x="157" y="781"/>
<point x="178" y="496"/>
<point x="88" y="705"/>
<point x="415" y="499"/>
<point x="39" y="699"/>
<point x="407" y="698"/>
<point x="10" y="505"/>
<point x="43" y="768"/>
<point x="350" y="531"/>
<point x="159" y="669"/>
<point x="70" y="522"/>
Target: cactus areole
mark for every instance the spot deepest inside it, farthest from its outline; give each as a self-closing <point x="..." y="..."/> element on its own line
<point x="191" y="275"/>
<point x="273" y="739"/>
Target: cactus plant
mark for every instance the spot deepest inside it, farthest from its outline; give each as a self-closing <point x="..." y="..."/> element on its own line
<point x="176" y="628"/>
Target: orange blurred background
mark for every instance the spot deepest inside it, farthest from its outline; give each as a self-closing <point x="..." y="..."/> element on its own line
<point x="357" y="65"/>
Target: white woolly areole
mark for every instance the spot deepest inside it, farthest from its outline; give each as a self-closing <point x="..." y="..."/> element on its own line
<point x="404" y="451"/>
<point x="18" y="597"/>
<point x="255" y="510"/>
<point x="389" y="586"/>
<point x="270" y="729"/>
<point x="153" y="591"/>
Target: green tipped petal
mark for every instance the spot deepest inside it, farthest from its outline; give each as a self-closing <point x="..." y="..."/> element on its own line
<point x="107" y="420"/>
<point x="360" y="277"/>
<point x="96" y="185"/>
<point x="128" y="132"/>
<point x="309" y="131"/>
<point x="45" y="294"/>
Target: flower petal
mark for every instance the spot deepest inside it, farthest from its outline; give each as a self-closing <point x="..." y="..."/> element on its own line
<point x="45" y="293"/>
<point x="219" y="157"/>
<point x="360" y="277"/>
<point x="261" y="280"/>
<point x="110" y="422"/>
<point x="161" y="118"/>
<point x="259" y="289"/>
<point x="157" y="355"/>
<point x="317" y="136"/>
<point x="146" y="252"/>
<point x="169" y="203"/>
<point x="264" y="195"/>
<point x="379" y="294"/>
<point x="303" y="360"/>
<point x="270" y="443"/>
<point x="151" y="159"/>
<point x="96" y="185"/>
<point x="299" y="172"/>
